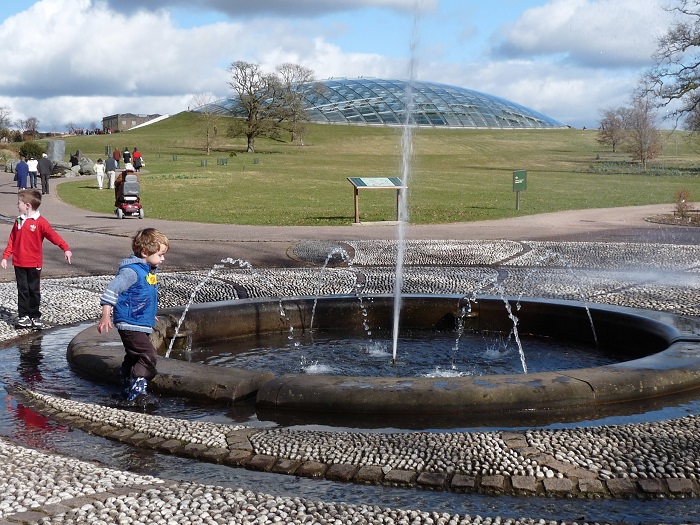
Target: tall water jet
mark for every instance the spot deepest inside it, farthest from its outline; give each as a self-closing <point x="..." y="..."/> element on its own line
<point x="407" y="152"/>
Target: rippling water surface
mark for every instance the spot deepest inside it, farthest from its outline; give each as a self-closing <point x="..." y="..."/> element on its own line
<point x="423" y="354"/>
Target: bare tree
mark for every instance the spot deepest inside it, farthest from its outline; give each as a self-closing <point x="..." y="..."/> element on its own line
<point x="643" y="138"/>
<point x="203" y="103"/>
<point x="292" y="77"/>
<point x="674" y="79"/>
<point x="612" y="127"/>
<point x="29" y="125"/>
<point x="5" y="117"/>
<point x="692" y="120"/>
<point x="260" y="97"/>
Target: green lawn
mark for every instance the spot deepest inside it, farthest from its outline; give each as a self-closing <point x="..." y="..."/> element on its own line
<point x="456" y="175"/>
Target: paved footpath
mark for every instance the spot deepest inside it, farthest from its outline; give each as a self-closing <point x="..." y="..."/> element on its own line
<point x="98" y="241"/>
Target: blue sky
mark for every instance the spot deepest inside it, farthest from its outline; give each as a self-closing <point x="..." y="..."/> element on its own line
<point x="79" y="60"/>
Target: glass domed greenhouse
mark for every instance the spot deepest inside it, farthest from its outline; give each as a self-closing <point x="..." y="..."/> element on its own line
<point x="376" y="101"/>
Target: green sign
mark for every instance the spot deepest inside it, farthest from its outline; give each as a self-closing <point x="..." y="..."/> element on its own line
<point x="519" y="180"/>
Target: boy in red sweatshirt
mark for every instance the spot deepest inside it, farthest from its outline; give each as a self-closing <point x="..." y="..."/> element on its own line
<point x="25" y="246"/>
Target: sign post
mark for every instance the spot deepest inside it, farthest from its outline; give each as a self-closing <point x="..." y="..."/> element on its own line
<point x="519" y="184"/>
<point x="369" y="183"/>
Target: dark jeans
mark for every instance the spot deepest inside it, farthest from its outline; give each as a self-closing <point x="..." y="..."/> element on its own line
<point x="141" y="355"/>
<point x="28" y="291"/>
<point x="32" y="179"/>
<point x="45" y="182"/>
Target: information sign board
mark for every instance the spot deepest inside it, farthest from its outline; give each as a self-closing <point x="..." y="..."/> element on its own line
<point x="377" y="183"/>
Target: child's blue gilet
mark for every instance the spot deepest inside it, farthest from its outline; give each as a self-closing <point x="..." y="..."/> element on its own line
<point x="139" y="304"/>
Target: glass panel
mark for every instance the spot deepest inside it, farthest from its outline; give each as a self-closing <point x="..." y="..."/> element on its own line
<point x="382" y="101"/>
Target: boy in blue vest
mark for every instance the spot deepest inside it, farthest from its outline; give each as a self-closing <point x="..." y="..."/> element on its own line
<point x="132" y="299"/>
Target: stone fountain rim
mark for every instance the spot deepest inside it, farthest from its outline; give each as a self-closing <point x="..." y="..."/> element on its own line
<point x="675" y="369"/>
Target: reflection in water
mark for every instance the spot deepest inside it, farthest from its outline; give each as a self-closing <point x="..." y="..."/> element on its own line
<point x="30" y="358"/>
<point x="30" y="428"/>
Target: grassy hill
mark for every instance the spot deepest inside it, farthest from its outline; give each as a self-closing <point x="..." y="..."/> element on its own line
<point x="456" y="175"/>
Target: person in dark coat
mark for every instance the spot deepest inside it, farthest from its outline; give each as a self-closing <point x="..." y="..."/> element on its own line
<point x="21" y="173"/>
<point x="45" y="168"/>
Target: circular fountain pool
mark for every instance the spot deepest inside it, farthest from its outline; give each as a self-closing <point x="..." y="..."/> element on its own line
<point x="422" y="354"/>
<point x="659" y="351"/>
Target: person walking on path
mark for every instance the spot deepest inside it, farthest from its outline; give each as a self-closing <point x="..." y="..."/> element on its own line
<point x="25" y="247"/>
<point x="117" y="156"/>
<point x="45" y="167"/>
<point x="99" y="169"/>
<point x="137" y="160"/>
<point x="131" y="298"/>
<point x="32" y="164"/>
<point x="21" y="173"/>
<point x="126" y="156"/>
<point x="111" y="169"/>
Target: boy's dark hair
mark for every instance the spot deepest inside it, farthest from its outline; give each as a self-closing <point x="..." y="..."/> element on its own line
<point x="30" y="196"/>
<point x="147" y="242"/>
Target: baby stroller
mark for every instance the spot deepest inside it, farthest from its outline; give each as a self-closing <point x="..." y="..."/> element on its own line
<point x="126" y="196"/>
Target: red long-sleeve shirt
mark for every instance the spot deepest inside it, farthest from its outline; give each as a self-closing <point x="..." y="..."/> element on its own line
<point x="24" y="244"/>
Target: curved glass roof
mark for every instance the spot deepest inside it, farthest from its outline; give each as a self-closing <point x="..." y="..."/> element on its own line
<point x="376" y="101"/>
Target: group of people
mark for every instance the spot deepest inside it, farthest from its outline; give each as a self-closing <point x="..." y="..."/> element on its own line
<point x="129" y="302"/>
<point x="135" y="158"/>
<point x="29" y="172"/>
<point x="106" y="170"/>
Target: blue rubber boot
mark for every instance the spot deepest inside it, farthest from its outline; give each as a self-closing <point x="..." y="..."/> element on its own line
<point x="138" y="396"/>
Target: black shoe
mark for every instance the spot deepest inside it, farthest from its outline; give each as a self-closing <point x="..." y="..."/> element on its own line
<point x="23" y="322"/>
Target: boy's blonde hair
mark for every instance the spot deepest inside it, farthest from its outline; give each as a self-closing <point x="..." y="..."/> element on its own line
<point x="30" y="196"/>
<point x="147" y="242"/>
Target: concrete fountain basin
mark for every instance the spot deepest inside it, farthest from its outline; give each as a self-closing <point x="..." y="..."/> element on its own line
<point x="661" y="356"/>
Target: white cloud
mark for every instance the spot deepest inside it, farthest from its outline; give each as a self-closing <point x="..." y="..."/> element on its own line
<point x="80" y="49"/>
<point x="593" y="33"/>
<point x="80" y="54"/>
<point x="567" y="58"/>
<point x="90" y="62"/>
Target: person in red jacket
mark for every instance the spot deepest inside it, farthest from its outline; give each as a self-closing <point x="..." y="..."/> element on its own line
<point x="137" y="160"/>
<point x="25" y="246"/>
<point x="117" y="155"/>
